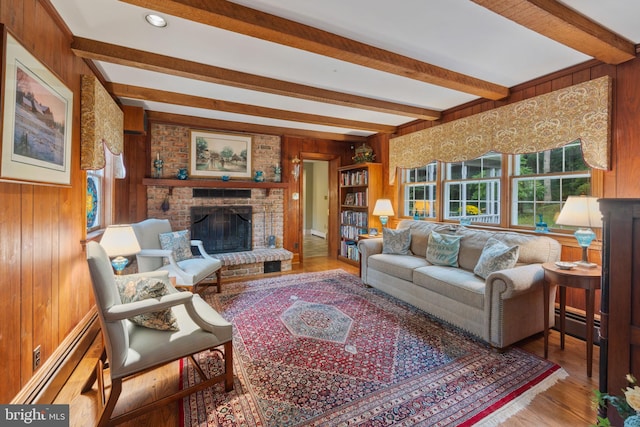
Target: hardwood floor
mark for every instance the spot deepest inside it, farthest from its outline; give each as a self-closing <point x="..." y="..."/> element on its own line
<point x="568" y="403"/>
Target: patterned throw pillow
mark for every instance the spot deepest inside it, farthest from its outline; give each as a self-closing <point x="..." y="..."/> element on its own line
<point x="178" y="242"/>
<point x="140" y="288"/>
<point x="442" y="249"/>
<point x="396" y="242"/>
<point x="496" y="256"/>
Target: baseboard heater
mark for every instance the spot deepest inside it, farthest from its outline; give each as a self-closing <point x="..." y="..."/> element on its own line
<point x="576" y="325"/>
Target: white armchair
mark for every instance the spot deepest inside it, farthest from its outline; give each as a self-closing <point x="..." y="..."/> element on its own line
<point x="132" y="349"/>
<point x="189" y="272"/>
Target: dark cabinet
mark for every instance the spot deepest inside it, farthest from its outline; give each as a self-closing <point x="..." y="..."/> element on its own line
<point x="620" y="300"/>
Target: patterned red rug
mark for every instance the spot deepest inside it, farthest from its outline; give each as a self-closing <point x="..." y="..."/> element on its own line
<point x="319" y="349"/>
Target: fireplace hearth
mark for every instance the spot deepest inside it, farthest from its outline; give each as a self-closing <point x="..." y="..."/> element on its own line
<point x="222" y="228"/>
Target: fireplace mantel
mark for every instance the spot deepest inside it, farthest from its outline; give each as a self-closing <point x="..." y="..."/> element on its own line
<point x="211" y="183"/>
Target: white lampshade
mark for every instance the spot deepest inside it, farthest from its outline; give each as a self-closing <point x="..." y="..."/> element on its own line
<point x="383" y="207"/>
<point x="120" y="240"/>
<point x="580" y="211"/>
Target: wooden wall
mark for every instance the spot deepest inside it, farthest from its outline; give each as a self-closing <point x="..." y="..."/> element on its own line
<point x="44" y="282"/>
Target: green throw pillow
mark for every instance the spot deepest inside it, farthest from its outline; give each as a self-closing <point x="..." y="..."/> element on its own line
<point x="396" y="242"/>
<point x="140" y="288"/>
<point x="177" y="242"/>
<point x="496" y="256"/>
<point x="442" y="249"/>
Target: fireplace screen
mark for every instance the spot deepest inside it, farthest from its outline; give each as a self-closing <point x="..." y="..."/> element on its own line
<point x="222" y="228"/>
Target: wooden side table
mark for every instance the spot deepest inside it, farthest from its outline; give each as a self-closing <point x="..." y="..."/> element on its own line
<point x="581" y="278"/>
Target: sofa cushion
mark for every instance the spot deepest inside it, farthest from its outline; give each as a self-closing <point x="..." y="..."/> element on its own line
<point x="443" y="249"/>
<point x="400" y="266"/>
<point x="496" y="256"/>
<point x="396" y="241"/>
<point x="455" y="283"/>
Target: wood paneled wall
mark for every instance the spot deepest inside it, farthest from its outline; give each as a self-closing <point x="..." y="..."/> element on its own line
<point x="44" y="282"/>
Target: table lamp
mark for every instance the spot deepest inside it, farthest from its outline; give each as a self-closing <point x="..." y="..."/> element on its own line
<point x="582" y="212"/>
<point x="383" y="209"/>
<point x="119" y="241"/>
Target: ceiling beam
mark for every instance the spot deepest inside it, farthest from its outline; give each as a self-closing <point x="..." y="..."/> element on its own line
<point x="99" y="51"/>
<point x="155" y="95"/>
<point x="563" y="24"/>
<point x="244" y="20"/>
<point x="200" y="122"/>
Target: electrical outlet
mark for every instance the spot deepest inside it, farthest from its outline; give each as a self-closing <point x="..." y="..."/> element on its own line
<point x="36" y="358"/>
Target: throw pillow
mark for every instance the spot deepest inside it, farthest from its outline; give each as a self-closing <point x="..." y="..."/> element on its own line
<point x="177" y="242"/>
<point x="442" y="249"/>
<point x="140" y="288"/>
<point x="396" y="242"/>
<point x="496" y="256"/>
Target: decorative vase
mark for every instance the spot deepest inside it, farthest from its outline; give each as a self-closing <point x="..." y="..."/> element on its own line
<point x="277" y="173"/>
<point x="182" y="173"/>
<point x="259" y="176"/>
<point x="157" y="164"/>
<point x="541" y="226"/>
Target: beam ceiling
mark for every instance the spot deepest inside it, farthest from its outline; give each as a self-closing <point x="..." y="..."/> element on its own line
<point x="137" y="92"/>
<point x="562" y="24"/>
<point x="240" y="19"/>
<point x="100" y="51"/>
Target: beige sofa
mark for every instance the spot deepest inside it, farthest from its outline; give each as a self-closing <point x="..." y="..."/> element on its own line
<point x="501" y="310"/>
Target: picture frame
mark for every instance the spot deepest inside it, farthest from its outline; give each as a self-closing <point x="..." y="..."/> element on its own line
<point x="36" y="119"/>
<point x="215" y="154"/>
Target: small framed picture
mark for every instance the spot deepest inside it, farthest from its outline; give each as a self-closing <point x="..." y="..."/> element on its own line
<point x="373" y="232"/>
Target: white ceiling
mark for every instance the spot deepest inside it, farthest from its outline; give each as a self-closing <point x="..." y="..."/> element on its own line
<point x="458" y="35"/>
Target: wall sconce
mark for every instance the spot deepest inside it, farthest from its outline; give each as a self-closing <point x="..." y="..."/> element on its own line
<point x="296" y="168"/>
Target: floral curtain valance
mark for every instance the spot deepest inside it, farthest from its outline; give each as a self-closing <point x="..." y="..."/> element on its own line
<point x="102" y="125"/>
<point x="580" y="112"/>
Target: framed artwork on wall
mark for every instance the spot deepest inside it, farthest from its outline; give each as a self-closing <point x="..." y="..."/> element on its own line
<point x="36" y="119"/>
<point x="214" y="154"/>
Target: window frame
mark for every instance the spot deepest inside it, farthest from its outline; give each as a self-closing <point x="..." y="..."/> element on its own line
<point x="507" y="180"/>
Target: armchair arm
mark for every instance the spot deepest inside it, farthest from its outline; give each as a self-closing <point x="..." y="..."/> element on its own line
<point x="198" y="244"/>
<point x="155" y="253"/>
<point x="125" y="311"/>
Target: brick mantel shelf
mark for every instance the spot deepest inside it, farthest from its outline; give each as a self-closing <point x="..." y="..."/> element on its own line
<point x="212" y="183"/>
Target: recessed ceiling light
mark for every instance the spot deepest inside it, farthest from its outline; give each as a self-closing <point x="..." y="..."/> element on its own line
<point x="156" y="20"/>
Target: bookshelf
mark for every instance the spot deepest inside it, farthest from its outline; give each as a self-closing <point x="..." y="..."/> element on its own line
<point x="360" y="187"/>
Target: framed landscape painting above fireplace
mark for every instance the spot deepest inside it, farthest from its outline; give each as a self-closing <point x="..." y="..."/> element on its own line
<point x="214" y="154"/>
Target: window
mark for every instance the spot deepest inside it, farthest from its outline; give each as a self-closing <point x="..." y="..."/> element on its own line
<point x="543" y="180"/>
<point x="420" y="191"/>
<point x="94" y="199"/>
<point x="472" y="189"/>
<point x="99" y="198"/>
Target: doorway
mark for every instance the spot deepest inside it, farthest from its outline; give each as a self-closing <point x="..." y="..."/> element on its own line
<point x="315" y="208"/>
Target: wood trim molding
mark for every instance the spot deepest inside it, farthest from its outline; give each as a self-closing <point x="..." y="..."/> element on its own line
<point x="47" y="382"/>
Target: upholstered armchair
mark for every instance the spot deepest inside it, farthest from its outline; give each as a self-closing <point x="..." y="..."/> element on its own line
<point x="175" y="258"/>
<point x="190" y="326"/>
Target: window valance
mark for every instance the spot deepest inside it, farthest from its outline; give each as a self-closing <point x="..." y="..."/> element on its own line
<point x="102" y="127"/>
<point x="580" y="112"/>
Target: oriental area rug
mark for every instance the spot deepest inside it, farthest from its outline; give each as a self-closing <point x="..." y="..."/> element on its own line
<point x="320" y="349"/>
